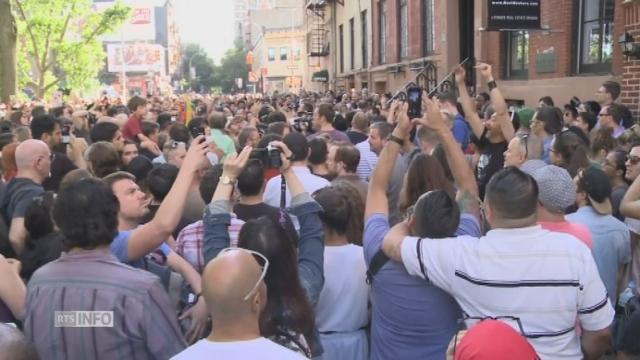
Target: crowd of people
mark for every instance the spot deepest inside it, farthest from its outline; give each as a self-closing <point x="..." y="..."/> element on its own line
<point x="323" y="226"/>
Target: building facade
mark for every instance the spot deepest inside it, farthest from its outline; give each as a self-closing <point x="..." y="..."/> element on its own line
<point x="573" y="53"/>
<point x="280" y="61"/>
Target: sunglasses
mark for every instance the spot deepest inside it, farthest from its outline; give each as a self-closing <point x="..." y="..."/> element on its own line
<point x="633" y="160"/>
<point x="262" y="261"/>
<point x="525" y="139"/>
<point x="469" y="322"/>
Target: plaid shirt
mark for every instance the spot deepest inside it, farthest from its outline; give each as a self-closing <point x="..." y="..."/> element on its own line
<point x="190" y="239"/>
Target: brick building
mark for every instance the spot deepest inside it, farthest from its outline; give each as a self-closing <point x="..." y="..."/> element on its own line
<point x="575" y="52"/>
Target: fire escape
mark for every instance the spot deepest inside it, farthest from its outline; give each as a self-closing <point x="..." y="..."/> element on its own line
<point x="317" y="41"/>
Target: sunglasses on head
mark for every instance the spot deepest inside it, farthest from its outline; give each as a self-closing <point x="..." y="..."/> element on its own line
<point x="262" y="261"/>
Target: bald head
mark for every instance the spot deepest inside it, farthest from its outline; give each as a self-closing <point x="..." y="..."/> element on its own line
<point x="14" y="346"/>
<point x="28" y="152"/>
<point x="226" y="280"/>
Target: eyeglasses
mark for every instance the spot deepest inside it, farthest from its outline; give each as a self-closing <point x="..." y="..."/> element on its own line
<point x="262" y="261"/>
<point x="524" y="140"/>
<point x="470" y="321"/>
<point x="633" y="160"/>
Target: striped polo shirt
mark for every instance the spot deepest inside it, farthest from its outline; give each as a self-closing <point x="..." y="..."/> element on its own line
<point x="544" y="279"/>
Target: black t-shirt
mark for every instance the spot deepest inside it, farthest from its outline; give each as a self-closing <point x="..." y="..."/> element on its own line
<point x="356" y="137"/>
<point x="249" y="212"/>
<point x="18" y="195"/>
<point x="491" y="159"/>
<point x="40" y="252"/>
<point x="60" y="167"/>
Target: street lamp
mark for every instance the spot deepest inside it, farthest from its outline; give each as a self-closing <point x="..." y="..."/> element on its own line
<point x="629" y="48"/>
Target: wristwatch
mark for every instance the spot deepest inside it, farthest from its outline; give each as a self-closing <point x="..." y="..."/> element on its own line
<point x="226" y="180"/>
<point x="396" y="140"/>
<point x="492" y="85"/>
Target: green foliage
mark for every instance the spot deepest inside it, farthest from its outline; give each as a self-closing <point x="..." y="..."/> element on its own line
<point x="58" y="42"/>
<point x="209" y="75"/>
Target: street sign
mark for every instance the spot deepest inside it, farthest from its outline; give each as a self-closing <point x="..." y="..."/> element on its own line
<point x="292" y="67"/>
<point x="252" y="77"/>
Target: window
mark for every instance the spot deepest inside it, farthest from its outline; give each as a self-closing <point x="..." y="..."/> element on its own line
<point x="352" y="41"/>
<point x="297" y="54"/>
<point x="403" y="29"/>
<point x="595" y="36"/>
<point x="382" y="31"/>
<point x="363" y="39"/>
<point x="517" y="54"/>
<point x="341" y="34"/>
<point x="283" y="53"/>
<point x="272" y="54"/>
<point x="428" y="28"/>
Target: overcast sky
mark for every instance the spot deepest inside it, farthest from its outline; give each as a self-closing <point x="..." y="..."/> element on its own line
<point x="208" y="23"/>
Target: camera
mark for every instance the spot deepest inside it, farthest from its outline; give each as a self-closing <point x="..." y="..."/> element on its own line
<point x="269" y="156"/>
<point x="303" y="124"/>
<point x="414" y="100"/>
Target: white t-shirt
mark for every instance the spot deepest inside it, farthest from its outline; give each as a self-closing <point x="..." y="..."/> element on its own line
<point x="259" y="348"/>
<point x="543" y="278"/>
<point x="342" y="305"/>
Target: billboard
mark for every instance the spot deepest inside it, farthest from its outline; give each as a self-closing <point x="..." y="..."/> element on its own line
<point x="135" y="58"/>
<point x="139" y="27"/>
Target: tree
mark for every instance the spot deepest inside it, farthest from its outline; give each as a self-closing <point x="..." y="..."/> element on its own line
<point x="232" y="67"/>
<point x="206" y="70"/>
<point x="58" y="42"/>
<point x="8" y="36"/>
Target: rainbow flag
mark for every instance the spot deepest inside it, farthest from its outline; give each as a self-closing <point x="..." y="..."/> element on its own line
<point x="188" y="110"/>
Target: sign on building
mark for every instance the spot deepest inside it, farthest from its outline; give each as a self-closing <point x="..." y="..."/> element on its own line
<point x="514" y="14"/>
<point x="135" y="58"/>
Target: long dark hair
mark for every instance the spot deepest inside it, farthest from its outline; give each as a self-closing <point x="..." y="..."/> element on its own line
<point x="572" y="151"/>
<point x="288" y="308"/>
<point x="425" y="174"/>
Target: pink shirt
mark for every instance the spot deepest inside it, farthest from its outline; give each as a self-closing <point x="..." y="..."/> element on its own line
<point x="578" y="230"/>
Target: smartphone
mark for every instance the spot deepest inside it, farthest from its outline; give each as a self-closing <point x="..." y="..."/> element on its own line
<point x="66" y="130"/>
<point x="414" y="100"/>
<point x="197" y="131"/>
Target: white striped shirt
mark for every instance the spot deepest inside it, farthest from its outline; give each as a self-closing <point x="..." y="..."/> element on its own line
<point x="543" y="278"/>
<point x="368" y="161"/>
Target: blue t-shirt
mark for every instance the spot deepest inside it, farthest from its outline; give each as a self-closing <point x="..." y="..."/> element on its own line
<point x="412" y="319"/>
<point x="119" y="249"/>
<point x="461" y="131"/>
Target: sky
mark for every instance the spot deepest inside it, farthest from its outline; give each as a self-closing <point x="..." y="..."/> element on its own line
<point x="208" y="23"/>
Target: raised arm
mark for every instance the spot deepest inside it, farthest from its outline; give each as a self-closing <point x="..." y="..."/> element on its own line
<point x="379" y="183"/>
<point x="630" y="205"/>
<point x="149" y="236"/>
<point x="477" y="127"/>
<point x="467" y="195"/>
<point x="217" y="216"/>
<point x="311" y="244"/>
<point x="497" y="102"/>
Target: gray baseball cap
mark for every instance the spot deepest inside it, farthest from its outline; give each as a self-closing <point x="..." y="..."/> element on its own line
<point x="556" y="189"/>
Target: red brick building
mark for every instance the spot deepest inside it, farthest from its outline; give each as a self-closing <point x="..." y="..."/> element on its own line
<point x="577" y="50"/>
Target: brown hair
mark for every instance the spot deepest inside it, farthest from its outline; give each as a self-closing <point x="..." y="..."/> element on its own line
<point x="424" y="174"/>
<point x="348" y="155"/>
<point x="572" y="151"/>
<point x="103" y="159"/>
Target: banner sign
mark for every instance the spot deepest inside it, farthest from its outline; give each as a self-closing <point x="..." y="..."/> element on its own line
<point x="514" y="14"/>
<point x="136" y="57"/>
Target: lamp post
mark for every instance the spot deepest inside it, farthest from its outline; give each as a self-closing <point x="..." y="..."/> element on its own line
<point x="629" y="48"/>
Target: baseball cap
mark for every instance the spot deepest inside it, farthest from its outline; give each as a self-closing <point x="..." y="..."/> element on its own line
<point x="298" y="145"/>
<point x="595" y="183"/>
<point x="495" y="340"/>
<point x="556" y="189"/>
<point x="526" y="114"/>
